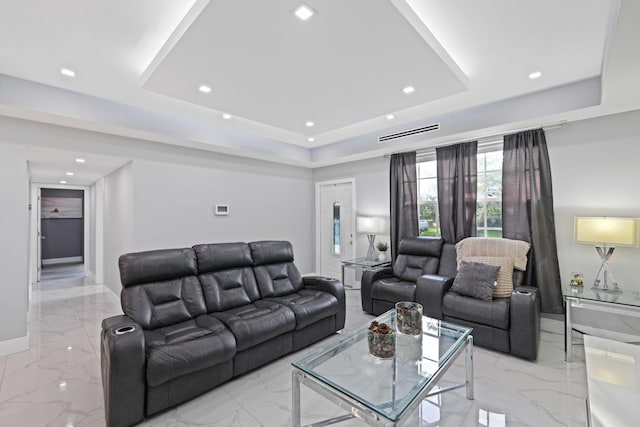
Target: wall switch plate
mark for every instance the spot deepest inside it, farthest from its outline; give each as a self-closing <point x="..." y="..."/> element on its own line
<point x="221" y="210"/>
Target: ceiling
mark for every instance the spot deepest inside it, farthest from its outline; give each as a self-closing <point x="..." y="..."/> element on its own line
<point x="139" y="66"/>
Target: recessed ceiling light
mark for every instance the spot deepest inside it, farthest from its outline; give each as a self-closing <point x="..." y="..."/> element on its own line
<point x="311" y="139"/>
<point x="204" y="89"/>
<point x="408" y="89"/>
<point x="535" y="75"/>
<point x="63" y="182"/>
<point x="67" y="72"/>
<point x="304" y="12"/>
<point x="69" y="348"/>
<point x="69" y="173"/>
<point x="79" y="160"/>
<point x="390" y="116"/>
<point x="226" y="116"/>
<point x="309" y="124"/>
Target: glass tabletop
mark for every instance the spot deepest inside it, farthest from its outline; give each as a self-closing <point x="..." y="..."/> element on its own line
<point x="368" y="263"/>
<point x="387" y="386"/>
<point x="624" y="298"/>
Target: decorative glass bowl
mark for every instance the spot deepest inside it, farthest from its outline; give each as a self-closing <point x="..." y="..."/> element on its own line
<point x="382" y="340"/>
<point x="409" y="317"/>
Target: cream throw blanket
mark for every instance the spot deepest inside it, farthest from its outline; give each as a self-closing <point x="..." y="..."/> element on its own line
<point x="482" y="246"/>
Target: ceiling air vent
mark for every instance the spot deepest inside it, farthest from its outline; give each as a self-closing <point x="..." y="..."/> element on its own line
<point x="410" y="132"/>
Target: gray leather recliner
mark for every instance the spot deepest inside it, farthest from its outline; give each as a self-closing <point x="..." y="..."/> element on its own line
<point x="197" y="317"/>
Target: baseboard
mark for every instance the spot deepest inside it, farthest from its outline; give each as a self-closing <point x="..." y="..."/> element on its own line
<point x="66" y="260"/>
<point x="15" y="345"/>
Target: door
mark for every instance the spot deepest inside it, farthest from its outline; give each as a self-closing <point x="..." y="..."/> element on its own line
<point x="336" y="227"/>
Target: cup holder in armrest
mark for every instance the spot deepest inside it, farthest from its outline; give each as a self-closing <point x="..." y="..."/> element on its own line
<point x="124" y="330"/>
<point x="523" y="292"/>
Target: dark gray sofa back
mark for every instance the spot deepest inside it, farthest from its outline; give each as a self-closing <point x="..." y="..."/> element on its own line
<point x="226" y="274"/>
<point x="275" y="271"/>
<point x="417" y="256"/>
<point x="160" y="288"/>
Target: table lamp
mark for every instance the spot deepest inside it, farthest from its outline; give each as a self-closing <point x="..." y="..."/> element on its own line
<point x="606" y="233"/>
<point x="371" y="226"/>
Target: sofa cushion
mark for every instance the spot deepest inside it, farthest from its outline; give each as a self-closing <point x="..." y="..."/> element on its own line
<point x="493" y="313"/>
<point x="309" y="306"/>
<point x="156" y="266"/>
<point x="255" y="323"/>
<point x="160" y="304"/>
<point x="417" y="256"/>
<point x="504" y="279"/>
<point x="482" y="246"/>
<point x="186" y="347"/>
<point x="275" y="271"/>
<point x="226" y="274"/>
<point x="476" y="280"/>
<point x="393" y="289"/>
<point x="222" y="256"/>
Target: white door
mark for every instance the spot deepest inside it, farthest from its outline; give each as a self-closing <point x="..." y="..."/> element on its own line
<point x="336" y="227"/>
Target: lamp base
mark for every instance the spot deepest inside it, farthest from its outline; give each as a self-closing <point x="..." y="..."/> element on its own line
<point x="605" y="254"/>
<point x="371" y="253"/>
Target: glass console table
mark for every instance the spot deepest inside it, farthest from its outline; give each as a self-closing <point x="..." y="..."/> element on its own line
<point x="626" y="304"/>
<point x="364" y="264"/>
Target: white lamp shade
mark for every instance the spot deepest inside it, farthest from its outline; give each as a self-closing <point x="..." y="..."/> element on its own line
<point x="606" y="231"/>
<point x="371" y="225"/>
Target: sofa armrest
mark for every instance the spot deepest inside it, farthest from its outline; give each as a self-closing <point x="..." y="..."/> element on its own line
<point x="524" y="332"/>
<point x="368" y="277"/>
<point x="430" y="290"/>
<point x="123" y="371"/>
<point x="332" y="286"/>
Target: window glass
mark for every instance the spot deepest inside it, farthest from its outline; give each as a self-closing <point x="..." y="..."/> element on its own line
<point x="336" y="229"/>
<point x="489" y="207"/>
<point x="489" y="196"/>
<point x="428" y="215"/>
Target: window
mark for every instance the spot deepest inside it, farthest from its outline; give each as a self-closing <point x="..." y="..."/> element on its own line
<point x="428" y="215"/>
<point x="336" y="229"/>
<point x="489" y="206"/>
<point x="489" y="203"/>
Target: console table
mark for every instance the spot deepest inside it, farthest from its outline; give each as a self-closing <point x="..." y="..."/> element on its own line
<point x="364" y="264"/>
<point x="626" y="303"/>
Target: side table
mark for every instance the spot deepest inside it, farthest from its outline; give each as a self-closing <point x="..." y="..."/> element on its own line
<point x="364" y="264"/>
<point x="626" y="304"/>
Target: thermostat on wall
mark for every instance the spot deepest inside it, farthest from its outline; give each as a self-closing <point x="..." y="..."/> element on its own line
<point x="222" y="210"/>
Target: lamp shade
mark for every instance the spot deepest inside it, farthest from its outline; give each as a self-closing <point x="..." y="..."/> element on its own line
<point x="606" y="231"/>
<point x="370" y="225"/>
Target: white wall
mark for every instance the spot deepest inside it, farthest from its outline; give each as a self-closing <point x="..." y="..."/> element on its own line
<point x="118" y="222"/>
<point x="157" y="205"/>
<point x="14" y="237"/>
<point x="596" y="173"/>
<point x="174" y="206"/>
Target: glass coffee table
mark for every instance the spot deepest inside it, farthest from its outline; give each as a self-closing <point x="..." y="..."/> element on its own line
<point x="383" y="392"/>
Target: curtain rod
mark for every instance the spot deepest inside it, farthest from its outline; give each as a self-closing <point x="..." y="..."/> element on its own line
<point x="484" y="140"/>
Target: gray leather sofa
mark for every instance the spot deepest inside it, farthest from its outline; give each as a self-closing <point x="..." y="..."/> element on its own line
<point x="197" y="317"/>
<point x="424" y="272"/>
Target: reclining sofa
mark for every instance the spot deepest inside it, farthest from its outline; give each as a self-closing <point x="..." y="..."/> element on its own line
<point x="197" y="317"/>
<point x="425" y="270"/>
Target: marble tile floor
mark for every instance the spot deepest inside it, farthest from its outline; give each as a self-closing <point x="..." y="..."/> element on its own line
<point x="57" y="381"/>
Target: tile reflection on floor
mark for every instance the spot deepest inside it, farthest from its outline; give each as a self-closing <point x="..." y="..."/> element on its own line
<point x="57" y="381"/>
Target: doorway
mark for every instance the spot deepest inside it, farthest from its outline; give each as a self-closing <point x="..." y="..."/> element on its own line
<point x="335" y="202"/>
<point x="60" y="232"/>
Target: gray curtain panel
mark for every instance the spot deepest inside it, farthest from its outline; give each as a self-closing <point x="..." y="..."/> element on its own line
<point x="527" y="212"/>
<point x="457" y="190"/>
<point x="404" y="199"/>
